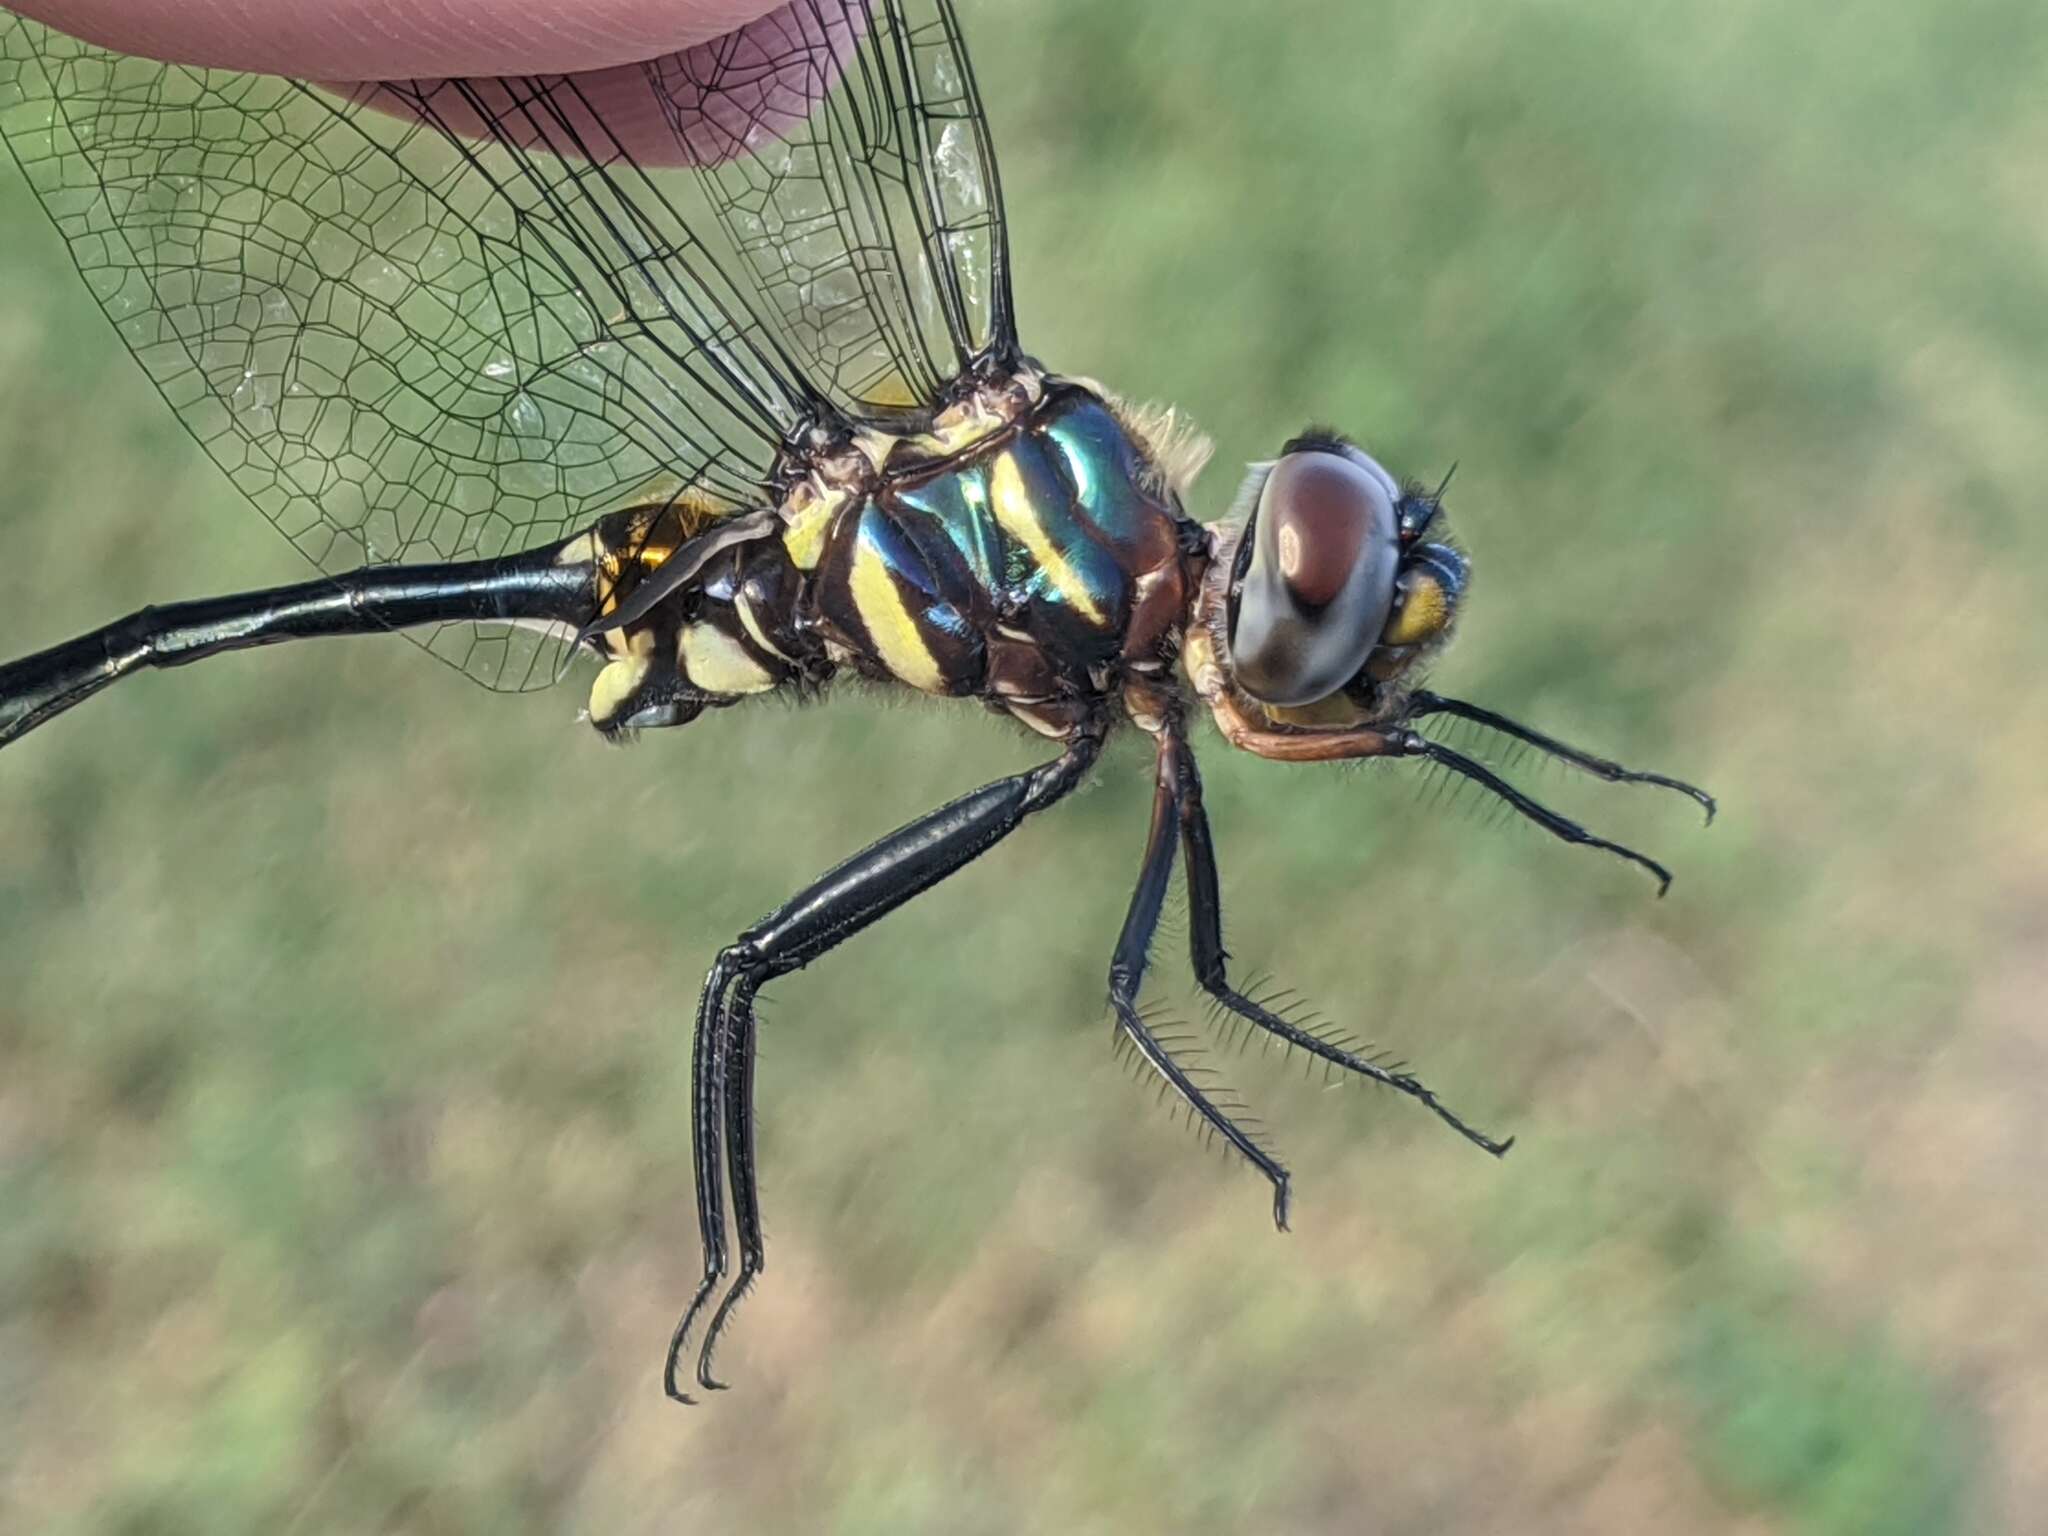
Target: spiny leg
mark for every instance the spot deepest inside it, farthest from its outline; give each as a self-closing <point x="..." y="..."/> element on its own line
<point x="1421" y="703"/>
<point x="830" y="910"/>
<point x="1297" y="746"/>
<point x="1127" y="973"/>
<point x="1561" y="827"/>
<point x="1205" y="943"/>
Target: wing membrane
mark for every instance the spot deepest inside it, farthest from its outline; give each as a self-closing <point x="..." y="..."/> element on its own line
<point x="873" y="226"/>
<point x="447" y="320"/>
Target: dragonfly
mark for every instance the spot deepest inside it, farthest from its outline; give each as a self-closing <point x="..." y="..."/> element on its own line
<point x="724" y="394"/>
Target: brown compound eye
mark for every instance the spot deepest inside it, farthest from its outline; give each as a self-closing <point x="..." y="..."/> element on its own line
<point x="1318" y="583"/>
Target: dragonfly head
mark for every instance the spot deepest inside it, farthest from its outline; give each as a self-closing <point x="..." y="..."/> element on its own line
<point x="1334" y="591"/>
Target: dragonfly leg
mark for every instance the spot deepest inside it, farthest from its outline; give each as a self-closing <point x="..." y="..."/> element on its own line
<point x="739" y="1150"/>
<point x="1127" y="973"/>
<point x="1205" y="942"/>
<point x="833" y="908"/>
<point x="707" y="1094"/>
<point x="1408" y="744"/>
<point x="1422" y="703"/>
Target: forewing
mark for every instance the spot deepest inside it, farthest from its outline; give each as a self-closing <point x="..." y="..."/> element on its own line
<point x="402" y="343"/>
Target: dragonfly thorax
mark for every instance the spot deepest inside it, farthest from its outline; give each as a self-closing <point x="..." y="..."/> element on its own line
<point x="1024" y="550"/>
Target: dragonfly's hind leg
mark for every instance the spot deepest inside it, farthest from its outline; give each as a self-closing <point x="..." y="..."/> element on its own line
<point x="707" y="1095"/>
<point x="1127" y="973"/>
<point x="739" y="1151"/>
<point x="1205" y="942"/>
<point x="833" y="908"/>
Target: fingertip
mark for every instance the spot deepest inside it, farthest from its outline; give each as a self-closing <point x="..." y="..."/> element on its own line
<point x="399" y="39"/>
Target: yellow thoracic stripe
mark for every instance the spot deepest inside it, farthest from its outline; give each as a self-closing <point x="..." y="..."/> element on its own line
<point x="1018" y="518"/>
<point x="889" y="623"/>
<point x="807" y="519"/>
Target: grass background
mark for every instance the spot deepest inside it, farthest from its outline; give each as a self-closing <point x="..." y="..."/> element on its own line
<point x="343" y="1034"/>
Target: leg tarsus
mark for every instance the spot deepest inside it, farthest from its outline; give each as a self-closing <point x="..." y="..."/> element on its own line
<point x="1422" y="703"/>
<point x="1560" y="827"/>
<point x="1175" y="1077"/>
<point x="739" y="1157"/>
<point x="681" y="1337"/>
<point x="1237" y="1004"/>
<point x="1392" y="1075"/>
<point x="707" y="1101"/>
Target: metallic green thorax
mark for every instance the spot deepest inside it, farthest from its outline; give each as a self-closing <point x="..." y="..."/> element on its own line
<point x="1037" y="568"/>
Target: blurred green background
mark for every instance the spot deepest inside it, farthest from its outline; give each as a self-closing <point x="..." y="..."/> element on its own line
<point x="344" y="1172"/>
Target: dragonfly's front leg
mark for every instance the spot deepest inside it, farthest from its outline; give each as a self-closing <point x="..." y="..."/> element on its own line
<point x="1205" y="942"/>
<point x="1422" y="703"/>
<point x="838" y="905"/>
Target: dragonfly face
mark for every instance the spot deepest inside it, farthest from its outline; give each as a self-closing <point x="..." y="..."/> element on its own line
<point x="731" y="401"/>
<point x="1332" y="587"/>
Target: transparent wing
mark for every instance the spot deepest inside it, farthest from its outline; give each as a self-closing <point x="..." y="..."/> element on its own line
<point x="447" y="320"/>
<point x="873" y="225"/>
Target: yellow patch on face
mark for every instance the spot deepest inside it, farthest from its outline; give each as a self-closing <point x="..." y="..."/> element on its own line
<point x="717" y="663"/>
<point x="1423" y="611"/>
<point x="1019" y="519"/>
<point x="614" y="685"/>
<point x="889" y="623"/>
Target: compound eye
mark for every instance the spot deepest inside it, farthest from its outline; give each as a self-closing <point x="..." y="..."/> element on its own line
<point x="1319" y="583"/>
